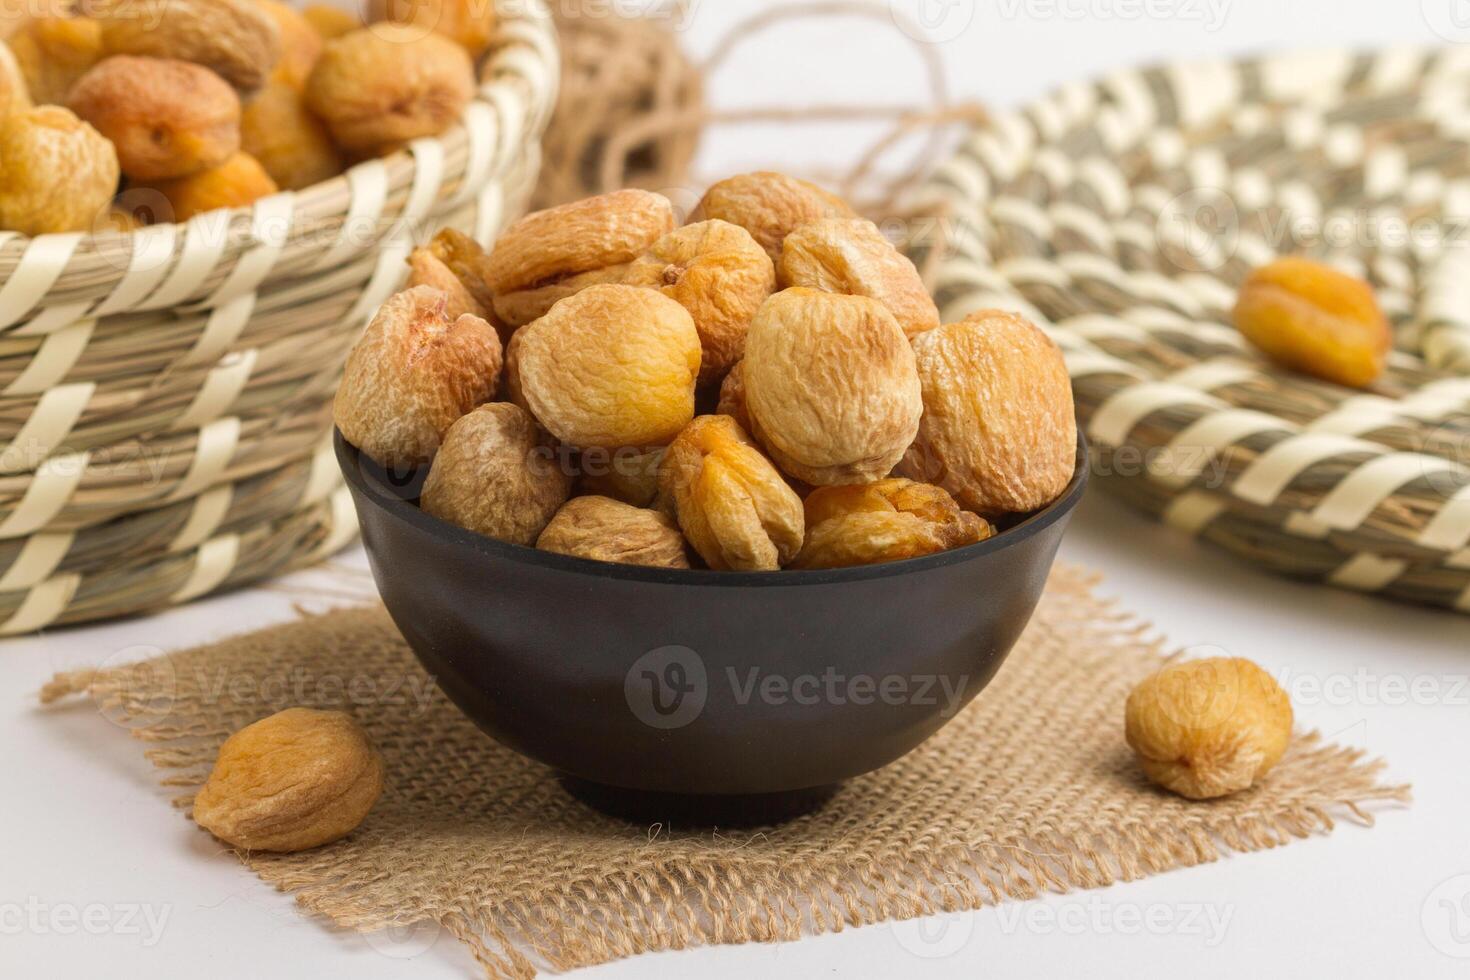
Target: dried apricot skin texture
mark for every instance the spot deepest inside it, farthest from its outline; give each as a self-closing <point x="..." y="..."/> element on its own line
<point x="330" y="22"/>
<point x="891" y="520"/>
<point x="15" y="96"/>
<point x="238" y="182"/>
<point x="53" y="52"/>
<point x="427" y="269"/>
<point x="851" y="256"/>
<point x="57" y="174"/>
<point x="412" y="375"/>
<point x="236" y="39"/>
<point x="495" y="476"/>
<point x="301" y="45"/>
<point x="831" y="387"/>
<point x="166" y="118"/>
<point x="770" y="206"/>
<point x="542" y="253"/>
<point x="290" y="142"/>
<point x="296" y="780"/>
<point x="1208" y="728"/>
<point x="999" y="430"/>
<point x="468" y="23"/>
<point x="732" y="503"/>
<point x="627" y="476"/>
<point x="717" y="272"/>
<point x="612" y="367"/>
<point x="602" y="529"/>
<point x="378" y="88"/>
<point x="1311" y="318"/>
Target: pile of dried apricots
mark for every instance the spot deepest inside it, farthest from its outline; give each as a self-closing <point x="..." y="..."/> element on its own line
<point x="118" y="113"/>
<point x="767" y="387"/>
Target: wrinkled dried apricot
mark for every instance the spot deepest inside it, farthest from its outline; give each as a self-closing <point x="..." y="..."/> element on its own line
<point x="53" y="52"/>
<point x="625" y="475"/>
<point x="291" y="144"/>
<point x="427" y="269"/>
<point x="851" y="256"/>
<point x="1208" y="728"/>
<point x="999" y="430"/>
<point x="770" y="206"/>
<point x="57" y="174"/>
<point x="734" y="506"/>
<point x="378" y="88"/>
<point x="469" y="23"/>
<point x="14" y="94"/>
<point x="831" y="388"/>
<point x="601" y="529"/>
<point x="296" y="780"/>
<point x="550" y="255"/>
<point x="166" y="118"/>
<point x="890" y="520"/>
<point x="236" y="183"/>
<point x="301" y="45"/>
<point x="495" y="476"/>
<point x="1311" y="318"/>
<point x="717" y="272"/>
<point x="235" y="39"/>
<point x="411" y="376"/>
<point x="330" y="22"/>
<point x="609" y="368"/>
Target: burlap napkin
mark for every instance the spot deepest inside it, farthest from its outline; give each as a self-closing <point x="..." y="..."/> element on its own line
<point x="1030" y="789"/>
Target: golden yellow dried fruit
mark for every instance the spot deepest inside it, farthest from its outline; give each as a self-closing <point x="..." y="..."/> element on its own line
<point x="1208" y="728"/>
<point x="166" y="118"/>
<point x="851" y="256"/>
<point x="550" y="255"/>
<point x="625" y="475"/>
<point x="301" y="45"/>
<point x="717" y="272"/>
<point x="14" y="94"/>
<point x="378" y="88"/>
<point x="291" y="144"/>
<point x="732" y="396"/>
<point x="831" y="387"/>
<point x="236" y="183"/>
<point x="999" y="429"/>
<point x="495" y="475"/>
<point x="469" y="23"/>
<point x="770" y="206"/>
<point x="733" y="505"/>
<point x="53" y="52"/>
<point x="612" y="367"/>
<point x="296" y="780"/>
<point x="1311" y="318"/>
<point x="57" y="174"/>
<point x="412" y="375"/>
<point x="235" y="39"/>
<point x="891" y="520"/>
<point x="452" y="261"/>
<point x="330" y="22"/>
<point x="427" y="269"/>
<point x="602" y="529"/>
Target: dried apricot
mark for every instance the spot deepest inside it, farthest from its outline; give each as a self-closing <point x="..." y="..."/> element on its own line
<point x="14" y="95"/>
<point x="1208" y="728"/>
<point x="717" y="272"/>
<point x="167" y="118"/>
<point x="425" y="268"/>
<point x="296" y="780"/>
<point x="236" y="183"/>
<point x="550" y="255"/>
<point x="288" y="141"/>
<point x="770" y="206"/>
<point x="469" y="23"/>
<point x="411" y="376"/>
<point x="851" y="256"/>
<point x="601" y="529"/>
<point x="378" y="88"/>
<point x="1311" y="318"/>
<point x="330" y="22"/>
<point x="999" y="430"/>
<point x="732" y="396"/>
<point x="626" y="475"/>
<point x="495" y="476"/>
<point x="301" y="45"/>
<point x="734" y="506"/>
<point x="53" y="52"/>
<point x="890" y="520"/>
<point x="236" y="39"/>
<point x="831" y="388"/>
<point x="57" y="174"/>
<point x="609" y="368"/>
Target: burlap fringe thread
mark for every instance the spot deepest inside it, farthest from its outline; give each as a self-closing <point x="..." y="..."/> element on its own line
<point x="1029" y="791"/>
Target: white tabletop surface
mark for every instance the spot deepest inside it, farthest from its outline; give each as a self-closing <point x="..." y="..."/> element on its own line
<point x="98" y="876"/>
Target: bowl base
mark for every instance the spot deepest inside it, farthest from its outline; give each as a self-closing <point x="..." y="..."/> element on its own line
<point x="684" y="810"/>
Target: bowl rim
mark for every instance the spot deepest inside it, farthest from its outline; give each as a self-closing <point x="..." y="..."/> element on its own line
<point x="394" y="506"/>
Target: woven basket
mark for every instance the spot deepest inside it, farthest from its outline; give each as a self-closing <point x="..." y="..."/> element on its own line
<point x="1123" y="216"/>
<point x="165" y="396"/>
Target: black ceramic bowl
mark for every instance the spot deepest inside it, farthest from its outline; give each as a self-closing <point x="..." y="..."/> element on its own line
<point x="702" y="695"/>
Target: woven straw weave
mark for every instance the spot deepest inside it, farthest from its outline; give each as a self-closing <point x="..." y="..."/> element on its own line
<point x="165" y="395"/>
<point x="1123" y="217"/>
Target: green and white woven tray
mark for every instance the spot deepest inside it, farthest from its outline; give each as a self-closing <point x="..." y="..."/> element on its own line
<point x="1123" y="215"/>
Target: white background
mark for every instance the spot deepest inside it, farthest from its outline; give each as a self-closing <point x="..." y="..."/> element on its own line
<point x="83" y="823"/>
